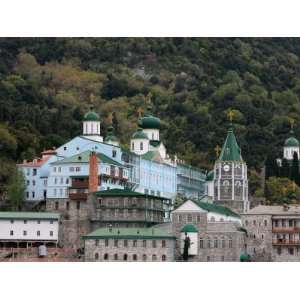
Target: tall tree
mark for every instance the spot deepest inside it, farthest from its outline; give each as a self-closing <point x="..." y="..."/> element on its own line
<point x="271" y="165"/>
<point x="295" y="169"/>
<point x="285" y="169"/>
<point x="16" y="190"/>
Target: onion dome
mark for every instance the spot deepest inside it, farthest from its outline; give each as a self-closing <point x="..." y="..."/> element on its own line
<point x="149" y="121"/>
<point x="91" y="116"/>
<point x="139" y="134"/>
<point x="291" y="141"/>
<point x="110" y="135"/>
<point x="210" y="175"/>
<point x="189" y="228"/>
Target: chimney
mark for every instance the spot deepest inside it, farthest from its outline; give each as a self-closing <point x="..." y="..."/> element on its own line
<point x="93" y="172"/>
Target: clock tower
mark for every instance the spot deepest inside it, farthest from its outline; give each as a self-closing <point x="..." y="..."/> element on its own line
<point x="230" y="176"/>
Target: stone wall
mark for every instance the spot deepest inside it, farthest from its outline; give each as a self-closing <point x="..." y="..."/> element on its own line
<point x="96" y="250"/>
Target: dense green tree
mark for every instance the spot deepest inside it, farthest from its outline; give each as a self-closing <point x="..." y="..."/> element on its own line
<point x="285" y="170"/>
<point x="295" y="176"/>
<point x="16" y="190"/>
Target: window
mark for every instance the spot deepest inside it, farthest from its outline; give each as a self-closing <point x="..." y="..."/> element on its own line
<point x="179" y="218"/>
<point x="265" y="223"/>
<point x="163" y="244"/>
<point x="51" y="233"/>
<point x="116" y="256"/>
<point x="208" y="243"/>
<point x="125" y="243"/>
<point x="54" y="192"/>
<point x="25" y="221"/>
<point x="11" y="221"/>
<point x="97" y="242"/>
<point x="134" y="257"/>
<point x="163" y="257"/>
<point x="246" y="222"/>
<point x="276" y="223"/>
<point x="254" y="222"/>
<point x="201" y="245"/>
<point x="279" y="250"/>
<point x="132" y="146"/>
<point x="78" y="205"/>
<point x="125" y="257"/>
<point x="106" y="256"/>
<point x="51" y="221"/>
<point x="116" y="243"/>
<point x="144" y="243"/>
<point x="33" y="172"/>
<point x="67" y="205"/>
<point x="198" y="219"/>
<point x="230" y="243"/>
<point x="24" y="232"/>
<point x="38" y="233"/>
<point x="212" y="219"/>
<point x="141" y="146"/>
<point x="114" y="153"/>
<point x="11" y="232"/>
<point x="27" y="194"/>
<point x="106" y="243"/>
<point x="208" y="258"/>
<point x="190" y="218"/>
<point x="216" y="243"/>
<point x="97" y="256"/>
<point x="38" y="221"/>
<point x="65" y="148"/>
<point x="291" y="251"/>
<point x="134" y="243"/>
<point x="291" y="223"/>
<point x="153" y="243"/>
<point x="33" y="194"/>
<point x="33" y="182"/>
<point x="144" y="257"/>
<point x="223" y="243"/>
<point x="154" y="258"/>
<point x="56" y="205"/>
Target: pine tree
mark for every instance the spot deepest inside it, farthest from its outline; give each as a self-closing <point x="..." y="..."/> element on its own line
<point x="295" y="169"/>
<point x="16" y="190"/>
<point x="271" y="165"/>
<point x="285" y="169"/>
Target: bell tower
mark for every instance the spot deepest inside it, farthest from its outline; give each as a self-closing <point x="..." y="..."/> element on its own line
<point x="230" y="175"/>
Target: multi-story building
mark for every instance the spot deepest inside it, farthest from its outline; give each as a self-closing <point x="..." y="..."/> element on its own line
<point x="129" y="245"/>
<point x="273" y="232"/>
<point x="28" y="228"/>
<point x="147" y="168"/>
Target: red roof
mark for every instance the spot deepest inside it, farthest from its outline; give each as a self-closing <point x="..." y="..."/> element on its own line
<point x="38" y="162"/>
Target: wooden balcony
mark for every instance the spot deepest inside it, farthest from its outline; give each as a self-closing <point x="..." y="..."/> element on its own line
<point x="286" y="242"/>
<point x="78" y="196"/>
<point x="286" y="229"/>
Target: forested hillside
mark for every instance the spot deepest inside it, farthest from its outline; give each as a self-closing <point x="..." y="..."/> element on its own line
<point x="46" y="85"/>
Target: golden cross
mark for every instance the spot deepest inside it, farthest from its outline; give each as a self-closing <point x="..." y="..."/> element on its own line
<point x="231" y="115"/>
<point x="148" y="98"/>
<point x="292" y="122"/>
<point x="92" y="98"/>
<point x="110" y="118"/>
<point x="140" y="112"/>
<point x="218" y="150"/>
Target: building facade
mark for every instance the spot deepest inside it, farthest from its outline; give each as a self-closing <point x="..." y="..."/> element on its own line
<point x="129" y="245"/>
<point x="28" y="228"/>
<point x="273" y="233"/>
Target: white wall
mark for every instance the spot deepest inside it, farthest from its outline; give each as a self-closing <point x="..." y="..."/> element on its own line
<point x="153" y="134"/>
<point x="288" y="152"/>
<point x="137" y="146"/>
<point x="31" y="227"/>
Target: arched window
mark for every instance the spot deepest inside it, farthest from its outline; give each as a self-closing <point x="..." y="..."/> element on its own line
<point x="97" y="256"/>
<point x="106" y="256"/>
<point x="154" y="258"/>
<point x="201" y="243"/>
<point x="141" y="146"/>
<point x="144" y="257"/>
<point x="212" y="219"/>
<point x="134" y="257"/>
<point x="230" y="243"/>
<point x="116" y="256"/>
<point x="208" y="243"/>
<point x="190" y="218"/>
<point x="216" y="242"/>
<point x="163" y="258"/>
<point x="125" y="256"/>
<point x="223" y="242"/>
<point x="163" y="244"/>
<point x="226" y="186"/>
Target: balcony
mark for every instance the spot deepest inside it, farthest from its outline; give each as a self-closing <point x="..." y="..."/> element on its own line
<point x="80" y="184"/>
<point x="282" y="242"/>
<point x="78" y="196"/>
<point x="286" y="229"/>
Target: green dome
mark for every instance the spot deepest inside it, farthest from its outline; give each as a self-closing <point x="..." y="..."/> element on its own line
<point x="210" y="175"/>
<point x="291" y="142"/>
<point x="139" y="135"/>
<point x="189" y="228"/>
<point x="149" y="122"/>
<point x="91" y="116"/>
<point x="245" y="257"/>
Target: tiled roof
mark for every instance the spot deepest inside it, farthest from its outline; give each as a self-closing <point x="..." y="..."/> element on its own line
<point x="84" y="158"/>
<point x="28" y="215"/>
<point x="210" y="207"/>
<point x="230" y="150"/>
<point x="124" y="193"/>
<point x="129" y="233"/>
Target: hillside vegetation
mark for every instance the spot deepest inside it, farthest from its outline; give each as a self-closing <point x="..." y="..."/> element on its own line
<point x="47" y="84"/>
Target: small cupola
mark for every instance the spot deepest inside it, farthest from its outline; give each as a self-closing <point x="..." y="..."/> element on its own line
<point x="91" y="126"/>
<point x="139" y="142"/>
